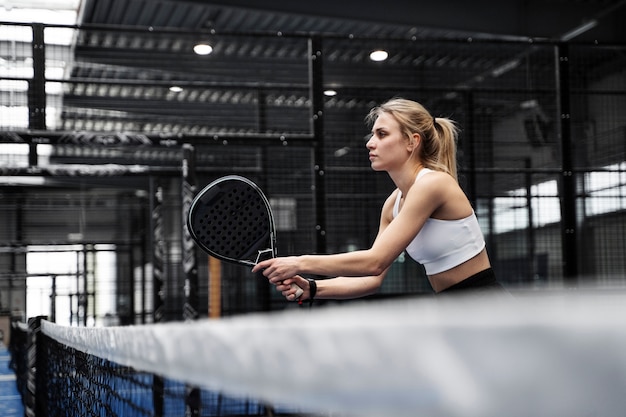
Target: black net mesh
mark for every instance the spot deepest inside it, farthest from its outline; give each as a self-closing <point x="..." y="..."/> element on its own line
<point x="74" y="383"/>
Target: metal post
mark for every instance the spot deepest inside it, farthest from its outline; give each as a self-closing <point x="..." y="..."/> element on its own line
<point x="131" y="275"/>
<point x="158" y="249"/>
<point x="142" y="235"/>
<point x="53" y="300"/>
<point x="317" y="126"/>
<point x="568" y="180"/>
<point x="85" y="292"/>
<point x="190" y="265"/>
<point x="158" y="278"/>
<point x="532" y="261"/>
<point x="37" y="89"/>
<point x="469" y="146"/>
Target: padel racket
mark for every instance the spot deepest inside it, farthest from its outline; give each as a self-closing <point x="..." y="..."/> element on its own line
<point x="231" y="219"/>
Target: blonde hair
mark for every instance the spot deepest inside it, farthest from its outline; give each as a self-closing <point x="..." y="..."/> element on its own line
<point x="439" y="135"/>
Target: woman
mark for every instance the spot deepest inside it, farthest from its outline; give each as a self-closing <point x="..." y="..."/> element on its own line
<point x="428" y="215"/>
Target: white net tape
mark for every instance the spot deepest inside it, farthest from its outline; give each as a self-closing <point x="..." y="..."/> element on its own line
<point x="557" y="354"/>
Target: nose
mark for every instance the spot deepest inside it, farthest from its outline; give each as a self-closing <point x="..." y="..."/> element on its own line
<point x="369" y="143"/>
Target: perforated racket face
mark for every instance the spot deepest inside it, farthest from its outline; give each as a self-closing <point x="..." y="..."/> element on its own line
<point x="231" y="219"/>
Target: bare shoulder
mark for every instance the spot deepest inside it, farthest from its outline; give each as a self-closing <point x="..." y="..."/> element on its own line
<point x="436" y="182"/>
<point x="438" y="194"/>
<point x="450" y="201"/>
<point x="437" y="177"/>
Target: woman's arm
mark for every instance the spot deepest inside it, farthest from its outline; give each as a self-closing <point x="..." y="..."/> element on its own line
<point x="393" y="237"/>
<point x="339" y="288"/>
<point x="353" y="264"/>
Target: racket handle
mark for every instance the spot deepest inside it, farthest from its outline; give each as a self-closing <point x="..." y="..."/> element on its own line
<point x="299" y="291"/>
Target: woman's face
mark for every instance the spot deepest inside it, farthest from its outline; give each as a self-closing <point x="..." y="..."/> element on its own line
<point x="388" y="147"/>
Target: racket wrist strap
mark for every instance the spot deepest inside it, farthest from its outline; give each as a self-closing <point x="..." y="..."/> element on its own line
<point x="312" y="289"/>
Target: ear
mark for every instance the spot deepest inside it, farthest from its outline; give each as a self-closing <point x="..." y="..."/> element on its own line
<point x="414" y="142"/>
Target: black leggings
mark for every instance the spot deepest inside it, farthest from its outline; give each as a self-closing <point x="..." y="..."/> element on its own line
<point x="480" y="282"/>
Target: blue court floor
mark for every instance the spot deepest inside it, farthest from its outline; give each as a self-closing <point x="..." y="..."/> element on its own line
<point x="10" y="400"/>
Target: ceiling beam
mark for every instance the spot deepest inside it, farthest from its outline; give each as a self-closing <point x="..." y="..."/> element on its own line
<point x="516" y="18"/>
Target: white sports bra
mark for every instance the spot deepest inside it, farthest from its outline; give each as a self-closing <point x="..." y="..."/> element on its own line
<point x="443" y="244"/>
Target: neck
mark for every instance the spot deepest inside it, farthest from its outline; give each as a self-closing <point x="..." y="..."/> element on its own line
<point x="405" y="178"/>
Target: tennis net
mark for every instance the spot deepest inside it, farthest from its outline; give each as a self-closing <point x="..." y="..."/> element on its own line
<point x="555" y="353"/>
<point x="71" y="371"/>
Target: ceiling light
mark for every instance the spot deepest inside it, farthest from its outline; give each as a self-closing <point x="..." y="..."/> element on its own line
<point x="203" y="49"/>
<point x="379" y="55"/>
<point x="579" y="30"/>
<point x="330" y="93"/>
<point x="176" y="89"/>
<point x="342" y="152"/>
<point x="506" y="67"/>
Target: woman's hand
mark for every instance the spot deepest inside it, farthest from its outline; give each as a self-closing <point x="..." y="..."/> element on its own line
<point x="277" y="270"/>
<point x="286" y="288"/>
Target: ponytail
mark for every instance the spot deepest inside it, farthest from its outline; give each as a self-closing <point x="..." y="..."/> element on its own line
<point x="445" y="135"/>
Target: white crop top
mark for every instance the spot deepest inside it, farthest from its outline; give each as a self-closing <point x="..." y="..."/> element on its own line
<point x="444" y="244"/>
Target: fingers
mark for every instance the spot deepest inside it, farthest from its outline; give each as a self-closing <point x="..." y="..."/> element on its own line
<point x="268" y="269"/>
<point x="261" y="266"/>
<point x="291" y="295"/>
<point x="298" y="291"/>
<point x="270" y="272"/>
<point x="284" y="286"/>
<point x="281" y="274"/>
<point x="289" y="289"/>
<point x="278" y="269"/>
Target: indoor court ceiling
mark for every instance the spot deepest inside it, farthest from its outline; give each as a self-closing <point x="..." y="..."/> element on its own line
<point x="116" y="77"/>
<point x="395" y="18"/>
<point x="108" y="62"/>
<point x="113" y="73"/>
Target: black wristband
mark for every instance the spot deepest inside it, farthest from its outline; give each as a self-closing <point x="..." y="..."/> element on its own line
<point x="312" y="289"/>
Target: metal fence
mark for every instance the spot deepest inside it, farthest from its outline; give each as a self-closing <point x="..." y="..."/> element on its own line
<point x="103" y="120"/>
